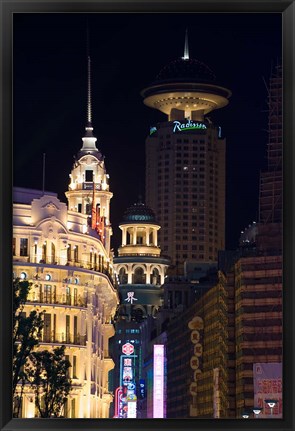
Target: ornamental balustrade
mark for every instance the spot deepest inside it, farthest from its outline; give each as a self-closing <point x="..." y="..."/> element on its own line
<point x="64" y="338"/>
<point x="63" y="299"/>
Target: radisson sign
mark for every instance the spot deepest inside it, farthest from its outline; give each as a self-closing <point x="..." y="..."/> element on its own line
<point x="188" y="125"/>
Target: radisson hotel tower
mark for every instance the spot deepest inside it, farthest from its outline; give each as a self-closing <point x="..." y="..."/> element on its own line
<point x="185" y="162"/>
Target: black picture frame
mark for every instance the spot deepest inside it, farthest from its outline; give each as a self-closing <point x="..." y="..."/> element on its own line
<point x="7" y="9"/>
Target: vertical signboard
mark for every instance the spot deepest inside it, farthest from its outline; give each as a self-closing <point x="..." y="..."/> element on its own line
<point x="127" y="404"/>
<point x="196" y="325"/>
<point x="267" y="380"/>
<point x="158" y="386"/>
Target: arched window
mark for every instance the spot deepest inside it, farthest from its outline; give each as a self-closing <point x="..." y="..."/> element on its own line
<point x="155" y="277"/>
<point x="123" y="276"/>
<point x="139" y="276"/>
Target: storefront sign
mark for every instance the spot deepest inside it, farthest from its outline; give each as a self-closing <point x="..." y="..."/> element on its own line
<point x="267" y="380"/>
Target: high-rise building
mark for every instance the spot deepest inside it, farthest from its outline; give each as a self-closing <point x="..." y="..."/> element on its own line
<point x="185" y="162"/>
<point x="65" y="253"/>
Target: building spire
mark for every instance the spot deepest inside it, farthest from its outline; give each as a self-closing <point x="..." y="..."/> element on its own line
<point x="89" y="112"/>
<point x="186" y="51"/>
<point x="89" y="140"/>
<point x="88" y="128"/>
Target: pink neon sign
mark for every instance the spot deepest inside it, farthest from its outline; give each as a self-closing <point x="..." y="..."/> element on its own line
<point x="158" y="399"/>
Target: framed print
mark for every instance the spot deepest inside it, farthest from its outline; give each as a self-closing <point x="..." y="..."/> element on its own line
<point x="147" y="215"/>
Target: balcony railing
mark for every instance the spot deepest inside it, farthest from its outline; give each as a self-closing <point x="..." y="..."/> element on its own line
<point x="84" y="264"/>
<point x="57" y="299"/>
<point x="64" y="338"/>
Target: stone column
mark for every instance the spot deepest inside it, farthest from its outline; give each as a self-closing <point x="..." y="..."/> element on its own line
<point x="134" y="235"/>
<point x="124" y="235"/>
<point x="147" y="236"/>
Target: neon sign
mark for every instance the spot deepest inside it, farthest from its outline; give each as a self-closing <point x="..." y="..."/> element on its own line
<point x="158" y="399"/>
<point x="128" y="399"/>
<point x="189" y="125"/>
<point x="128" y="349"/>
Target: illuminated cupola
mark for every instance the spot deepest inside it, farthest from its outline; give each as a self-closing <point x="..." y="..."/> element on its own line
<point x="185" y="89"/>
<point x="89" y="183"/>
<point x="139" y="257"/>
<point x="139" y="232"/>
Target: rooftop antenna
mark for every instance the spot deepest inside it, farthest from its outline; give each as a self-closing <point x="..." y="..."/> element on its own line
<point x="186" y="50"/>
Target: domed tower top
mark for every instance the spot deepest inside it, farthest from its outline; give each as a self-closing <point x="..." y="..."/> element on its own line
<point x="185" y="88"/>
<point x="139" y="213"/>
<point x="139" y="231"/>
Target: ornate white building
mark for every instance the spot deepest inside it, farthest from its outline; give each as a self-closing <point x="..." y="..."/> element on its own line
<point x="65" y="253"/>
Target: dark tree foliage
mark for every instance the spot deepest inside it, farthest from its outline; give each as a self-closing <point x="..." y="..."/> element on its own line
<point x="26" y="331"/>
<point x="48" y="374"/>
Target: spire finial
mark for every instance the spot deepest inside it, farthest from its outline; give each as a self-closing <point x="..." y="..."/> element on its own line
<point x="186" y="51"/>
<point x="89" y="113"/>
<point x="89" y="140"/>
<point x="88" y="128"/>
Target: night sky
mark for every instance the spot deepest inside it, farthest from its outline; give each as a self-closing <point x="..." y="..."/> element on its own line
<point x="127" y="52"/>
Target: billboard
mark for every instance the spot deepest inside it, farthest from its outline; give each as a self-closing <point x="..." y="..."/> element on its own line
<point x="158" y="382"/>
<point x="267" y="380"/>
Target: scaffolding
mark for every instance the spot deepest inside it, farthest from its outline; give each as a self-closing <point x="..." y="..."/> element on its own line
<point x="271" y="181"/>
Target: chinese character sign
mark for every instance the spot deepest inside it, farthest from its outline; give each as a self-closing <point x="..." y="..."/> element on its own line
<point x="127" y="404"/>
<point x="130" y="297"/>
<point x="267" y="380"/>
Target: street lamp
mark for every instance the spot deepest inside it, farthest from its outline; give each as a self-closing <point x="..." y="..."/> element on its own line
<point x="257" y="411"/>
<point x="245" y="415"/>
<point x="271" y="404"/>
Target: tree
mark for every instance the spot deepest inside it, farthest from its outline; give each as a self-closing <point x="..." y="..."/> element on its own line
<point x="48" y="375"/>
<point x="26" y="331"/>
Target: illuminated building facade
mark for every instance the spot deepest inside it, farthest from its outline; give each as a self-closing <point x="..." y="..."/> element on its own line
<point x="200" y="346"/>
<point x="185" y="162"/>
<point x="64" y="251"/>
<point x="258" y="321"/>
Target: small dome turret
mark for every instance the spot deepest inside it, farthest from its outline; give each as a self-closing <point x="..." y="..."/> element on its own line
<point x="139" y="213"/>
